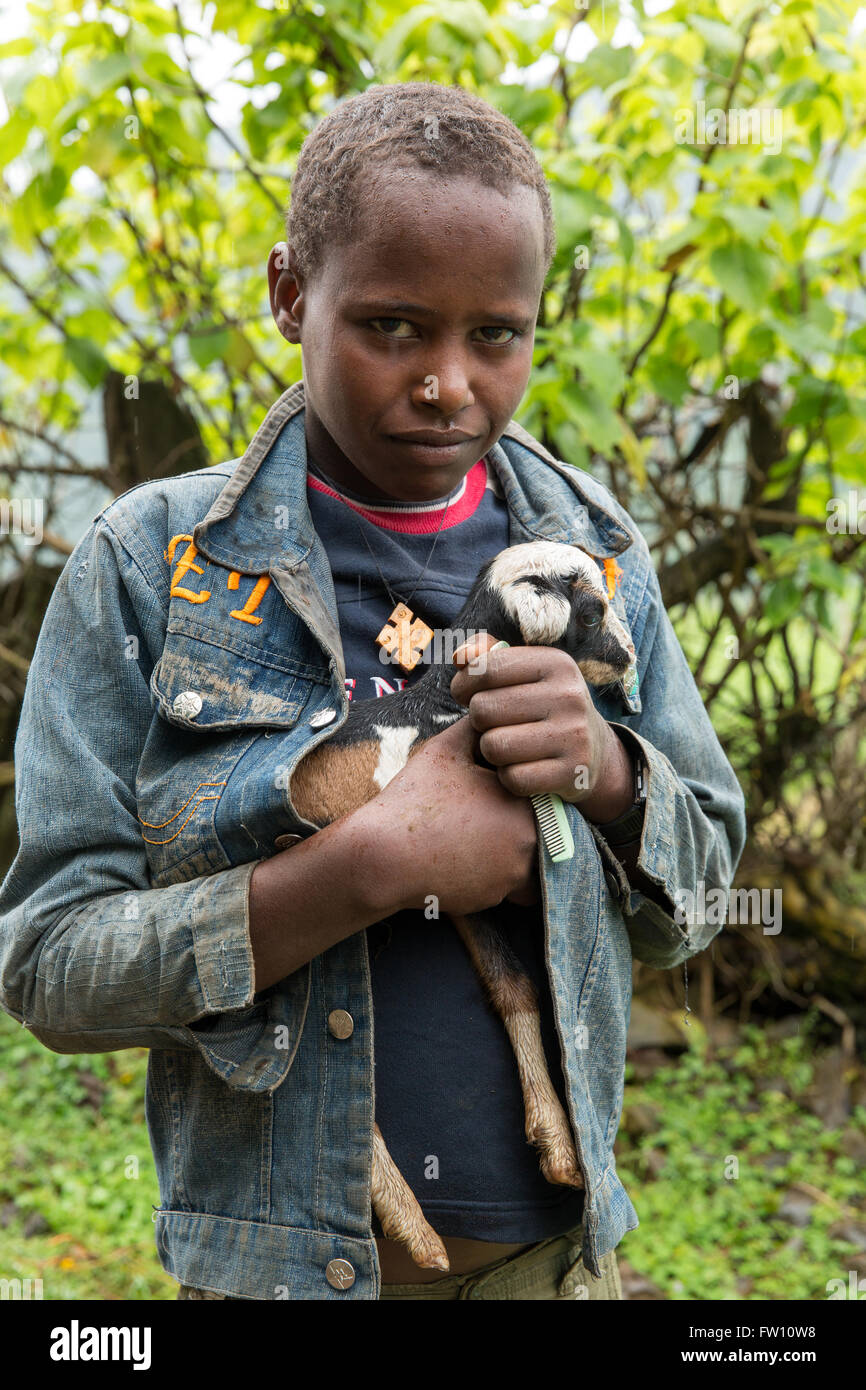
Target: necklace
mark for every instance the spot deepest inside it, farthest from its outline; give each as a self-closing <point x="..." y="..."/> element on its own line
<point x="405" y="636"/>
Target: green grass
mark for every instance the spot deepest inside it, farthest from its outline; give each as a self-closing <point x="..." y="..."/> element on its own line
<point x="707" y="1234"/>
<point x="702" y="1236"/>
<point x="75" y="1165"/>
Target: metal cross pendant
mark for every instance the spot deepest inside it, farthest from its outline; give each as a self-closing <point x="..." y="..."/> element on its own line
<point x="404" y="639"/>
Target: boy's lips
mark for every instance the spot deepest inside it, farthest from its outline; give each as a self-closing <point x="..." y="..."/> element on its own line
<point x="435" y="439"/>
<point x="435" y="446"/>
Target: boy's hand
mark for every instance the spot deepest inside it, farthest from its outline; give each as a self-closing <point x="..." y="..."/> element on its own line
<point x="446" y="827"/>
<point x="540" y="729"/>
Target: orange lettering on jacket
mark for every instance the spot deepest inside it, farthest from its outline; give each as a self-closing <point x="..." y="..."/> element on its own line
<point x="184" y="565"/>
<point x="247" y="614"/>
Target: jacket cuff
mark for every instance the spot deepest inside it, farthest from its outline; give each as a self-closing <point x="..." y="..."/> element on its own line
<point x="657" y="858"/>
<point x="250" y="1044"/>
<point x="657" y="938"/>
<point x="221" y="940"/>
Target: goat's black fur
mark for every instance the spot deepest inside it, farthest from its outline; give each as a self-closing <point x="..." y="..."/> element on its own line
<point x="485" y="611"/>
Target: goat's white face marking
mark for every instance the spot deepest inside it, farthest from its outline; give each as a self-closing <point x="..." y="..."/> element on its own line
<point x="394" y="752"/>
<point x="446" y="718"/>
<point x="542" y="618"/>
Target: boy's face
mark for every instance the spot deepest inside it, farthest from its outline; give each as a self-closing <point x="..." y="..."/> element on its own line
<point x="417" y="340"/>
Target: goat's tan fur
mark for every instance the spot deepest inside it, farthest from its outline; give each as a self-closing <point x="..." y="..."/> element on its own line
<point x="328" y="784"/>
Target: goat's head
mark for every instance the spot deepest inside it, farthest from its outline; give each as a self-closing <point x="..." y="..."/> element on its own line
<point x="546" y="593"/>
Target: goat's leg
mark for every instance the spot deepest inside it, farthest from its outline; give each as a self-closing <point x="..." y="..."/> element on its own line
<point x="397" y="1208"/>
<point x="515" y="999"/>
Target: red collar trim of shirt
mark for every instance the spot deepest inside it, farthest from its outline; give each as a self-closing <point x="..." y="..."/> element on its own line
<point x="417" y="523"/>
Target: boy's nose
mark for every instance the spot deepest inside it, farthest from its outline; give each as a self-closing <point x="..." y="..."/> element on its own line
<point x="447" y="389"/>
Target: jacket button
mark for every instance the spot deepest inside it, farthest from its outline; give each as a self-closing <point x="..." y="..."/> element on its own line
<point x="339" y="1274"/>
<point x="612" y="882"/>
<point x="283" y="841"/>
<point x="187" y="704"/>
<point x="341" y="1023"/>
<point x="324" y="716"/>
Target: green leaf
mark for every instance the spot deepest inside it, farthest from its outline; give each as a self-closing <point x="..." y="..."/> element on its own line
<point x="667" y="378"/>
<point x="743" y="273"/>
<point x="174" y="134"/>
<point x="750" y="223"/>
<point x="239" y="353"/>
<point x="804" y="90"/>
<point x="206" y="345"/>
<point x="13" y="137"/>
<point x="704" y="335"/>
<point x="782" y="602"/>
<point x="601" y="370"/>
<point x="598" y="423"/>
<point x="634" y="454"/>
<point x="389" y="51"/>
<point x="87" y="359"/>
<point x="573" y="211"/>
<point x="110" y="71"/>
<point x="527" y="109"/>
<point x="16" y="48"/>
<point x="720" y="37"/>
<point x="52" y="185"/>
<point x="827" y="575"/>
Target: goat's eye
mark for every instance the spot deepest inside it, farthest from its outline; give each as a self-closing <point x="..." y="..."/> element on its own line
<point x="590" y="619"/>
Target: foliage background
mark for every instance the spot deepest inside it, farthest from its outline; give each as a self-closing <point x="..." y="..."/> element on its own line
<point x="700" y="349"/>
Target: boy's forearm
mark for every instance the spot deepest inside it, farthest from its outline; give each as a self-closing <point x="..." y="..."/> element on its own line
<point x="307" y="898"/>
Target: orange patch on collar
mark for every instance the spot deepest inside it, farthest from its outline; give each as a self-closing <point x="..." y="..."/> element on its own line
<point x="612" y="573"/>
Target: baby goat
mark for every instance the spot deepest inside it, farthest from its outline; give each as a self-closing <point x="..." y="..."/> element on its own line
<point x="538" y="594"/>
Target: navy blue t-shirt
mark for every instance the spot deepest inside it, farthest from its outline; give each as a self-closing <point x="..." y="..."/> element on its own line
<point x="447" y="1091"/>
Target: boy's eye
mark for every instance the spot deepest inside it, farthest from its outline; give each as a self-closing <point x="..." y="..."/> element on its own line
<point x="498" y="342"/>
<point x="390" y="326"/>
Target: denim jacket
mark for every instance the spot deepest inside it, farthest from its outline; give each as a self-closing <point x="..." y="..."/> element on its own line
<point x="188" y="650"/>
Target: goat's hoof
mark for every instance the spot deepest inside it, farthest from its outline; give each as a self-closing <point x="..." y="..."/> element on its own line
<point x="418" y="1237"/>
<point x="561" y="1169"/>
<point x="429" y="1253"/>
<point x="556" y="1155"/>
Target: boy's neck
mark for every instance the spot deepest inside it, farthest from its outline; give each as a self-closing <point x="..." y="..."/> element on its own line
<point x="342" y="474"/>
<point x="380" y="498"/>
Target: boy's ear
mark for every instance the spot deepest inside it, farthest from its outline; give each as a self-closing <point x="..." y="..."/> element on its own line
<point x="285" y="288"/>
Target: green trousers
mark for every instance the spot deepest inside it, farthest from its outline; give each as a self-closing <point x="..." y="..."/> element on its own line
<point x="551" y="1270"/>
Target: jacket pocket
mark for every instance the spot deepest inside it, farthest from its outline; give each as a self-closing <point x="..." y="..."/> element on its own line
<point x="209" y="680"/>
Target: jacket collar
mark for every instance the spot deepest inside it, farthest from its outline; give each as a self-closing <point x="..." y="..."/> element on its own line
<point x="261" y="516"/>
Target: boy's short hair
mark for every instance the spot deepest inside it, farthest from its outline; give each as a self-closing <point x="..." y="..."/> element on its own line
<point x="405" y="125"/>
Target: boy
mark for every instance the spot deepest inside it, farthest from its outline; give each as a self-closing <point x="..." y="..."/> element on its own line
<point x="180" y="913"/>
